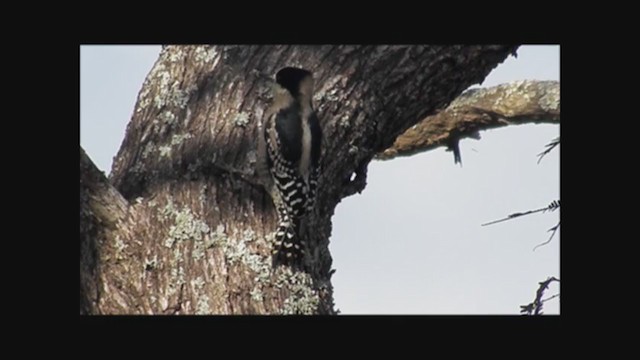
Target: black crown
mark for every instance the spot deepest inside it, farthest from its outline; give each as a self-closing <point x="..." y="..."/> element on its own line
<point x="291" y="77"/>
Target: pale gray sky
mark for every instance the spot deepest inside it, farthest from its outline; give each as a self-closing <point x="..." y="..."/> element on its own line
<point x="411" y="243"/>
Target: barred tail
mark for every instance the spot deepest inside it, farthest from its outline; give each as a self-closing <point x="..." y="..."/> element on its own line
<point x="288" y="249"/>
<point x="313" y="186"/>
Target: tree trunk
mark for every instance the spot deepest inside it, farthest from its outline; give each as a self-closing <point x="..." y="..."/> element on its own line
<point x="184" y="226"/>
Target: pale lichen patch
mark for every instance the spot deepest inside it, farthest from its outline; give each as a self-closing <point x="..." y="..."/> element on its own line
<point x="162" y="91"/>
<point x="187" y="226"/>
<point x="179" y="97"/>
<point x="197" y="283"/>
<point x="170" y="93"/>
<point x="216" y="238"/>
<point x="148" y="149"/>
<point x="344" y="121"/>
<point x="167" y="117"/>
<point x="198" y="250"/>
<point x="256" y="294"/>
<point x="168" y="211"/>
<point x="241" y="119"/>
<point x="165" y="151"/>
<point x="202" y="306"/>
<point x="179" y="139"/>
<point x="550" y="101"/>
<point x="248" y="235"/>
<point x="168" y="242"/>
<point x="143" y="99"/>
<point x="176" y="55"/>
<point x="177" y="275"/>
<point x="303" y="299"/>
<point x="205" y="53"/>
<point x="236" y="251"/>
<point x="120" y="246"/>
<point x="509" y="98"/>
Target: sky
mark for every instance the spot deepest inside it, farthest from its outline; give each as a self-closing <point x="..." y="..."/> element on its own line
<point x="411" y="243"/>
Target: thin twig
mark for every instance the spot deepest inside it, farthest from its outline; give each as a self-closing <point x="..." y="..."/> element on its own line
<point x="549" y="298"/>
<point x="552" y="207"/>
<point x="550" y="146"/>
<point x="554" y="229"/>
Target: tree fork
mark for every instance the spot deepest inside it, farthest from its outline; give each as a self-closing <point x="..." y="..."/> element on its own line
<point x="195" y="236"/>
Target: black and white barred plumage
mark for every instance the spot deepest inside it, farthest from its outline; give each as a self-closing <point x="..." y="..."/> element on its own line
<point x="293" y="140"/>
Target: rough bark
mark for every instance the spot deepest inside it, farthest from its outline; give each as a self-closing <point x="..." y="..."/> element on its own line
<point x="519" y="102"/>
<point x="196" y="235"/>
<point x="102" y="209"/>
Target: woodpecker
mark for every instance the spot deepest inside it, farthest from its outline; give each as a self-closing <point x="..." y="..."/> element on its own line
<point x="292" y="140"/>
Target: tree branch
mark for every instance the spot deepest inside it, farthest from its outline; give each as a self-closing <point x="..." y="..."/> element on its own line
<point x="102" y="202"/>
<point x="535" y="307"/>
<point x="101" y="209"/>
<point x="514" y="103"/>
